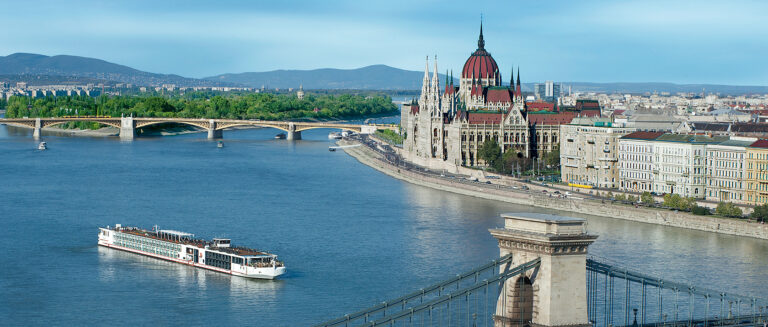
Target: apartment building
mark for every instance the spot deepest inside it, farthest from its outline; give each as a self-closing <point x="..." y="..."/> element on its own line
<point x="636" y="161"/>
<point x="726" y="170"/>
<point x="589" y="151"/>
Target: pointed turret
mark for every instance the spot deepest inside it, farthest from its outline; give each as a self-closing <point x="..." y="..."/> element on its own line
<point x="519" y="90"/>
<point x="480" y="41"/>
<point x="425" y="87"/>
<point x="435" y="88"/>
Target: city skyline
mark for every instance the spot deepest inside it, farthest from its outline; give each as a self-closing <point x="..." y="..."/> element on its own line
<point x="595" y="41"/>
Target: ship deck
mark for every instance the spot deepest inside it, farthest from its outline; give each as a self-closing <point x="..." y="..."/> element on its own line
<point x="242" y="251"/>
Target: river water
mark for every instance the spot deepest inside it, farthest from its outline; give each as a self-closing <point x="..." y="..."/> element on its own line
<point x="349" y="235"/>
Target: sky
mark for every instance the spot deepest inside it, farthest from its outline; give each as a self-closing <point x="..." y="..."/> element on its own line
<point x="723" y="42"/>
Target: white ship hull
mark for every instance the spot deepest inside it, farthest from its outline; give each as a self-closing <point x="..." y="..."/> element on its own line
<point x="164" y="251"/>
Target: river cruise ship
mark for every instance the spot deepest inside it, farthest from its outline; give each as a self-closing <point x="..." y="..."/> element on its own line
<point x="217" y="254"/>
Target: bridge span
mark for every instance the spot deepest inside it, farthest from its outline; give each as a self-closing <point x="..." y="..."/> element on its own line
<point x="129" y="125"/>
<point x="544" y="278"/>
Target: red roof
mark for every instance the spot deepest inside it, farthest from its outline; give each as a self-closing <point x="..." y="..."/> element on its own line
<point x="540" y="106"/>
<point x="560" y="118"/>
<point x="414" y="108"/>
<point x="450" y="89"/>
<point x="587" y="104"/>
<point x="480" y="65"/>
<point x="494" y="95"/>
<point x="619" y="111"/>
<point x="759" y="144"/>
<point x="590" y="113"/>
<point x="484" y="118"/>
<point x="643" y="135"/>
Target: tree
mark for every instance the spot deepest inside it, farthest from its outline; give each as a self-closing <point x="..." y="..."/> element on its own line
<point x="646" y="198"/>
<point x="490" y="152"/>
<point x="727" y="209"/>
<point x="552" y="158"/>
<point x="673" y="201"/>
<point x="701" y="211"/>
<point x="760" y="213"/>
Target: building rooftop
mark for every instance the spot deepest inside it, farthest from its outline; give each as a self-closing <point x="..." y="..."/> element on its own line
<point x="738" y="142"/>
<point x="694" y="139"/>
<point x="759" y="144"/>
<point x="641" y="135"/>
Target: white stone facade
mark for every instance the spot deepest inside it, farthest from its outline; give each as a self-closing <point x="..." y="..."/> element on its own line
<point x="680" y="165"/>
<point x="589" y="152"/>
<point x="726" y="170"/>
<point x="636" y="165"/>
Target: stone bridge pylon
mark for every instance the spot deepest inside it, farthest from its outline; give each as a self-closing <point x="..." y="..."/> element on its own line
<point x="555" y="293"/>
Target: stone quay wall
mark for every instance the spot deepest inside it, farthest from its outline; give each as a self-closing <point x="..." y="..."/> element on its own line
<point x="584" y="206"/>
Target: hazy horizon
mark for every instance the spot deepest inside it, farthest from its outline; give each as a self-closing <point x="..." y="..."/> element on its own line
<point x="688" y="42"/>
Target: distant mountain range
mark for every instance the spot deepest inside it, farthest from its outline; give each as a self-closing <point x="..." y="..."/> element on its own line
<point x="662" y="87"/>
<point x="28" y="67"/>
<point x="376" y="77"/>
<point x="39" y="70"/>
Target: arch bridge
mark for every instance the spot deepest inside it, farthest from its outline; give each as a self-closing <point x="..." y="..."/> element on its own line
<point x="128" y="125"/>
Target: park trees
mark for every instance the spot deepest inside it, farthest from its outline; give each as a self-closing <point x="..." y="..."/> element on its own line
<point x="647" y="198"/>
<point x="727" y="209"/>
<point x="760" y="213"/>
<point x="490" y="152"/>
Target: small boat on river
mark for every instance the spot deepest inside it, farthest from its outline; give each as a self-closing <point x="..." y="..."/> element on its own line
<point x="220" y="144"/>
<point x="280" y="136"/>
<point x="334" y="136"/>
<point x="42" y="146"/>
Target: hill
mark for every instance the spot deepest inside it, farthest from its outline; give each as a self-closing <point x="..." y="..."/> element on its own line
<point x="64" y="67"/>
<point x="375" y="77"/>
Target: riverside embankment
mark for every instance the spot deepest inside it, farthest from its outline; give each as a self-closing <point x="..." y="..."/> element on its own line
<point x="535" y="197"/>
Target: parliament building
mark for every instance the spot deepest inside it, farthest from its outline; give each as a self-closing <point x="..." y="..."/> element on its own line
<point x="448" y="124"/>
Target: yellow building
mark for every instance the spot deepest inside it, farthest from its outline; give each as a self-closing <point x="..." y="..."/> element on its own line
<point x="757" y="172"/>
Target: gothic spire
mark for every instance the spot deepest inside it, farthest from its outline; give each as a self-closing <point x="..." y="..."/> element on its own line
<point x="480" y="41"/>
<point x="451" y="77"/>
<point x="512" y="79"/>
<point x="435" y="81"/>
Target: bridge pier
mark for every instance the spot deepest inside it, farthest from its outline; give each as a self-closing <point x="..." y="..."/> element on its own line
<point x="38" y="128"/>
<point x="127" y="129"/>
<point x="555" y="294"/>
<point x="214" y="133"/>
<point x="292" y="134"/>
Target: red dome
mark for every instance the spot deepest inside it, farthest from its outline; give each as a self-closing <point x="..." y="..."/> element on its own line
<point x="480" y="65"/>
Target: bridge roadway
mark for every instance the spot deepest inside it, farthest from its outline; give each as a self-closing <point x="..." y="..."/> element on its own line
<point x="128" y="125"/>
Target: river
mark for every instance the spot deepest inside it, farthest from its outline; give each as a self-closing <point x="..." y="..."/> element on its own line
<point x="349" y="235"/>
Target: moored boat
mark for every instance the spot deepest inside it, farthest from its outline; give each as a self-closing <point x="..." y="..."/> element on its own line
<point x="217" y="255"/>
<point x="42" y="146"/>
<point x="334" y="136"/>
<point x="280" y="136"/>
